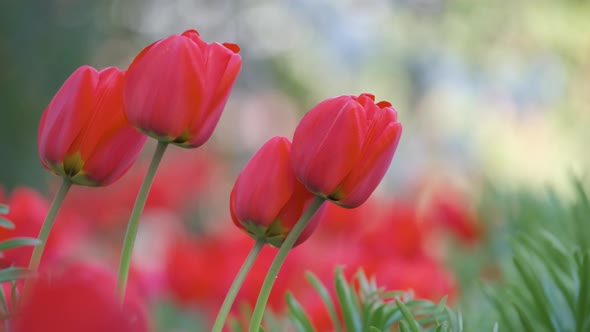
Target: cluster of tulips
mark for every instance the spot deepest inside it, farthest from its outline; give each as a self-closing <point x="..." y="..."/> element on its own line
<point x="174" y="91"/>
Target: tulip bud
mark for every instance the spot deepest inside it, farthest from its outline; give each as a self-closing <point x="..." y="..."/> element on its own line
<point x="83" y="135"/>
<point x="343" y="147"/>
<point x="176" y="88"/>
<point x="267" y="200"/>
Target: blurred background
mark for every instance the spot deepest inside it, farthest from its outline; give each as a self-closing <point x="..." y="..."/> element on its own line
<point x="483" y="88"/>
<point x="488" y="92"/>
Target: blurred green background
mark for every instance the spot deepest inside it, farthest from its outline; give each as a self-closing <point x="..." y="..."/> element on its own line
<point x="493" y="88"/>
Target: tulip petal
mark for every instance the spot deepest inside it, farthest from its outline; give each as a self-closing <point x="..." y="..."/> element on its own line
<point x="106" y="113"/>
<point x="65" y="116"/>
<point x="327" y="143"/>
<point x="159" y="94"/>
<point x="265" y="184"/>
<point x="374" y="163"/>
<point x="115" y="156"/>
<point x="222" y="69"/>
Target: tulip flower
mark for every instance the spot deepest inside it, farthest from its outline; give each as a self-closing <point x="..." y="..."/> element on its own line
<point x="176" y="88"/>
<point x="84" y="136"/>
<point x="267" y="200"/>
<point x="270" y="205"/>
<point x="80" y="298"/>
<point x="343" y="147"/>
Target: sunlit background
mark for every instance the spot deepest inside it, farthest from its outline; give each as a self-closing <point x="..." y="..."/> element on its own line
<point x="487" y="91"/>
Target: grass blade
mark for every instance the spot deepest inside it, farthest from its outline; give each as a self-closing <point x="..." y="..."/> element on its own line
<point x="325" y="295"/>
<point x="18" y="242"/>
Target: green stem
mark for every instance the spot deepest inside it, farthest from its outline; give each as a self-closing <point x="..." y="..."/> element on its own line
<point x="235" y="287"/>
<point x="133" y="224"/>
<point x="271" y="276"/>
<point x="46" y="229"/>
<point x="48" y="224"/>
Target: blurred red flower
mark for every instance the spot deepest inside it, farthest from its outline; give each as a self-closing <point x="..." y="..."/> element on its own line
<point x="399" y="233"/>
<point x="79" y="298"/>
<point x="450" y="210"/>
<point x="83" y="134"/>
<point x="182" y="179"/>
<point x="200" y="270"/>
<point x="27" y="212"/>
<point x="177" y="87"/>
<point x="343" y="146"/>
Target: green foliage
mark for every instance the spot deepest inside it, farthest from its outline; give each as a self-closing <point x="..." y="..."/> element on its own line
<point x="362" y="306"/>
<point x="546" y="286"/>
<point x="11" y="274"/>
<point x="169" y="316"/>
<point x="366" y="307"/>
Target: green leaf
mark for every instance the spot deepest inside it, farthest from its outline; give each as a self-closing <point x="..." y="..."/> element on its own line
<point x="528" y="326"/>
<point x="394" y="316"/>
<point x="377" y="318"/>
<point x="18" y="242"/>
<point x="350" y="311"/>
<point x="403" y="326"/>
<point x="298" y="315"/>
<point x="413" y="325"/>
<point x="534" y="288"/>
<point x="3" y="301"/>
<point x="325" y="295"/>
<point x="503" y="309"/>
<point x="4" y="209"/>
<point x="366" y="314"/>
<point x="272" y="321"/>
<point x="14" y="294"/>
<point x="440" y="307"/>
<point x="234" y="325"/>
<point x="14" y="273"/>
<point x="560" y="277"/>
<point x="5" y="223"/>
<point x="583" y="296"/>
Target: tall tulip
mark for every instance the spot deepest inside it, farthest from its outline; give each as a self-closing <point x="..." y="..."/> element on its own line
<point x="269" y="204"/>
<point x="177" y="87"/>
<point x="84" y="136"/>
<point x="343" y="147"/>
<point x="175" y="90"/>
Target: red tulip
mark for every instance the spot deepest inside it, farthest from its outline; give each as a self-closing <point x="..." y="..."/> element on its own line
<point x="267" y="200"/>
<point x="81" y="298"/>
<point x="176" y="88"/>
<point x="83" y="135"/>
<point x="343" y="147"/>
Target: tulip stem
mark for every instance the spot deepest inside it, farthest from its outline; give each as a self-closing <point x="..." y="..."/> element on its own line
<point x="133" y="224"/>
<point x="48" y="224"/>
<point x="271" y="276"/>
<point x="236" y="285"/>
